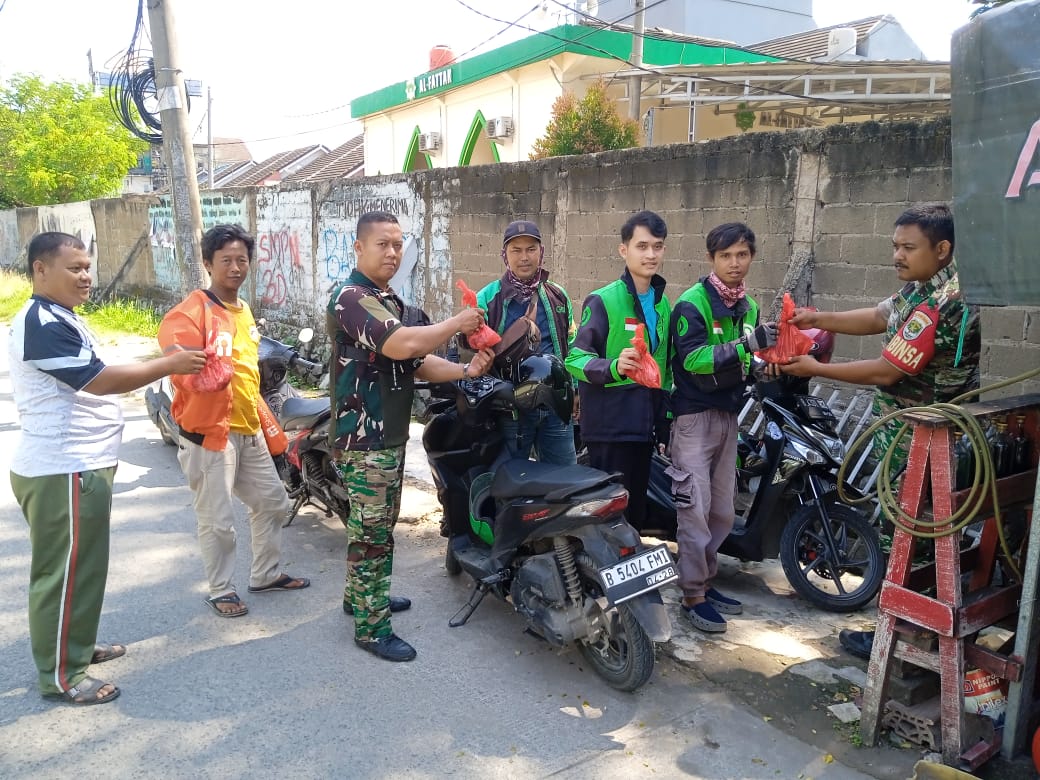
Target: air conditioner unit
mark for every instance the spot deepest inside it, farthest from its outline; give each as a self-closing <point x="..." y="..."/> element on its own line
<point x="499" y="127"/>
<point x="429" y="142"/>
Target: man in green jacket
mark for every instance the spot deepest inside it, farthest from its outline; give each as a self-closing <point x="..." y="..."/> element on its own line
<point x="526" y="291"/>
<point x="620" y="419"/>
<point x="714" y="331"/>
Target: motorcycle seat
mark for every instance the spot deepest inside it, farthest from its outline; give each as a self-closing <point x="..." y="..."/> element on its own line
<point x="301" y="412"/>
<point x="518" y="478"/>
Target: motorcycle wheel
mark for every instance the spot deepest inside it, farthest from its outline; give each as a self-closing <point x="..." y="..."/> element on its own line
<point x="623" y="655"/>
<point x="843" y="579"/>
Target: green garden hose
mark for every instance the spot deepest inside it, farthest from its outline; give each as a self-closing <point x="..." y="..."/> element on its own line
<point x="982" y="483"/>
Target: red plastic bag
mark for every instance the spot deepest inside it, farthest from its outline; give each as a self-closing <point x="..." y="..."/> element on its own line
<point x="483" y="337"/>
<point x="648" y="373"/>
<point x="790" y="341"/>
<point x="215" y="375"/>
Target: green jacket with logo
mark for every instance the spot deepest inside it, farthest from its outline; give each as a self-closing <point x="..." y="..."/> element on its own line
<point x="709" y="367"/>
<point x="614" y="407"/>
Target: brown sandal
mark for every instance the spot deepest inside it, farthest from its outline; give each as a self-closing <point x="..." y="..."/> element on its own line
<point x="105" y="652"/>
<point x="85" y="692"/>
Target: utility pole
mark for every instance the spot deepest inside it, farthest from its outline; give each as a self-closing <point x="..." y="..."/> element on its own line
<point x="177" y="148"/>
<point x="635" y="83"/>
<point x="209" y="136"/>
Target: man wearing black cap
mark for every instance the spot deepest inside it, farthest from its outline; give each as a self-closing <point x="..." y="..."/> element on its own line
<point x="525" y="291"/>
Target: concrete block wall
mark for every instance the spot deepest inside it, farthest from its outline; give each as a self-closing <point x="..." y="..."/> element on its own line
<point x="822" y="203"/>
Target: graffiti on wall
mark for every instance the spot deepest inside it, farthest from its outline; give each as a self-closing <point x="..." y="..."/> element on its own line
<point x="284" y="260"/>
<point x="337" y="231"/>
<point x="164" y="250"/>
<point x="279" y="268"/>
<point x="216" y="210"/>
<point x="223" y="210"/>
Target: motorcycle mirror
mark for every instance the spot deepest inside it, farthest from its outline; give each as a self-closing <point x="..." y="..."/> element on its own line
<point x="306" y="335"/>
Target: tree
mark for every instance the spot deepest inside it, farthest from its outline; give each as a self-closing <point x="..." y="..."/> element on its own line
<point x="744" y="117"/>
<point x="591" y="124"/>
<point x="59" y="143"/>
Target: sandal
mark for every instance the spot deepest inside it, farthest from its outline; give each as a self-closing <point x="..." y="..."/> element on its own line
<point x="228" y="598"/>
<point x="85" y="692"/>
<point x="285" y="582"/>
<point x="105" y="652"/>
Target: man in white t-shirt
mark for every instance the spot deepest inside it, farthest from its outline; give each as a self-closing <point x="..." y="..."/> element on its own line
<point x="65" y="461"/>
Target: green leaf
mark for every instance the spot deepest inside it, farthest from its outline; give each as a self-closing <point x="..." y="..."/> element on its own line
<point x="59" y="143"/>
<point x="591" y="124"/>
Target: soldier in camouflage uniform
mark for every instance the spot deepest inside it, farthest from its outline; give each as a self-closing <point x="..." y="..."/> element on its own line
<point x="932" y="339"/>
<point x="375" y="360"/>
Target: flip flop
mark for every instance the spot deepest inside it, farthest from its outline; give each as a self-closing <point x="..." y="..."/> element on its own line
<point x="229" y="598"/>
<point x="105" y="652"/>
<point x="285" y="582"/>
<point x="85" y="692"/>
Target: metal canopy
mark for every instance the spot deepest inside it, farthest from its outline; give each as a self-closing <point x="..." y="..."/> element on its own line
<point x="838" y="89"/>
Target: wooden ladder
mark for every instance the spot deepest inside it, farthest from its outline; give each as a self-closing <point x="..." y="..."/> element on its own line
<point x="952" y="613"/>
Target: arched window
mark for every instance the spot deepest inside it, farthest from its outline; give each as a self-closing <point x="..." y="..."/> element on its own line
<point x="478" y="149"/>
<point x="414" y="160"/>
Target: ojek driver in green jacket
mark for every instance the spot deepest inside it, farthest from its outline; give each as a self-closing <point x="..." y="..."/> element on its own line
<point x="714" y="331"/>
<point x="620" y="419"/>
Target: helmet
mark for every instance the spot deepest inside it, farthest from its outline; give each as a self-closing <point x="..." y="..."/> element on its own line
<point x="823" y="344"/>
<point x="542" y="381"/>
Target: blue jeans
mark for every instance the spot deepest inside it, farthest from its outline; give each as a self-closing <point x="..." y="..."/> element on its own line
<point x="551" y="438"/>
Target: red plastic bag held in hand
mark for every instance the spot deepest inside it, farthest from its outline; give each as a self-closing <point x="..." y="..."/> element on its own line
<point x="483" y="337"/>
<point x="648" y="373"/>
<point x="790" y="341"/>
<point x="214" y="376"/>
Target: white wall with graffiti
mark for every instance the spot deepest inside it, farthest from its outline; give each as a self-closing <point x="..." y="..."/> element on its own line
<point x="337" y="230"/>
<point x="217" y="208"/>
<point x="304" y="243"/>
<point x="283" y="270"/>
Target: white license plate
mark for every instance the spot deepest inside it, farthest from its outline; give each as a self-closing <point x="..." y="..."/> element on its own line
<point x="638" y="574"/>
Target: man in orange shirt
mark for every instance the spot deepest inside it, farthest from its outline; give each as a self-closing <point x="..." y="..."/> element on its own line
<point x="222" y="449"/>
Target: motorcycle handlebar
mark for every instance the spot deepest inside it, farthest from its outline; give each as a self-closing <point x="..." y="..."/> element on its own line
<point x="309" y="367"/>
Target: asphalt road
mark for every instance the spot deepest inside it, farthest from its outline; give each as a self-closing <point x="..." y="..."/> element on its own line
<point x="283" y="692"/>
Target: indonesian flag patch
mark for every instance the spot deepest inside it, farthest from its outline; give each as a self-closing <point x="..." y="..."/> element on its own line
<point x="630" y="324"/>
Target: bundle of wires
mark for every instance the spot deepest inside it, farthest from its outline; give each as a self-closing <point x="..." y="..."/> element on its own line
<point x="983" y="482"/>
<point x="132" y="89"/>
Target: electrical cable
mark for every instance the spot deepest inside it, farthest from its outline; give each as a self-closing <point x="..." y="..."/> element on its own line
<point x="655" y="33"/>
<point x="505" y="29"/>
<point x="602" y="24"/>
<point x="457" y="57"/>
<point x="132" y="90"/>
<point x="983" y="484"/>
<point x="651" y="70"/>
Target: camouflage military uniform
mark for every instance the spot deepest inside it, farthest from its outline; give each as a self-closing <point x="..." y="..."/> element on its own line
<point x="371" y="409"/>
<point x="928" y="323"/>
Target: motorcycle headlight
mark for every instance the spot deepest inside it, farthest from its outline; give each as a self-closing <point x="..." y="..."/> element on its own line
<point x="806" y="451"/>
<point x="832" y="446"/>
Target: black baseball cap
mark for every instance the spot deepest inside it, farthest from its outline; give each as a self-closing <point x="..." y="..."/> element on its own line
<point x="521" y="228"/>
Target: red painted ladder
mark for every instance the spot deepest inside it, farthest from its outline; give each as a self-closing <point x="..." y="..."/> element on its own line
<point x="927" y="493"/>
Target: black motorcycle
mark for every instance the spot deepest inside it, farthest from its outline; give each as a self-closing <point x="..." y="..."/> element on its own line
<point x="306" y="466"/>
<point x="551" y="541"/>
<point x="787" y="504"/>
